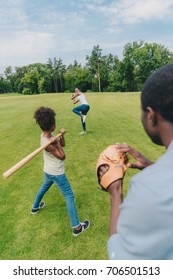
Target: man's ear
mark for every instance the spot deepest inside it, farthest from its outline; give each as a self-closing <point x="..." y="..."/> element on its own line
<point x="152" y="116"/>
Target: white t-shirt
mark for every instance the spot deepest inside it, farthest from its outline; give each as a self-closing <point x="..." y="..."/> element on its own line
<point x="82" y="99"/>
<point x="52" y="165"/>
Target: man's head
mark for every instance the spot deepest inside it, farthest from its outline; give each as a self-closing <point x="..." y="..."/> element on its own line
<point x="157" y="101"/>
<point x="45" y="118"/>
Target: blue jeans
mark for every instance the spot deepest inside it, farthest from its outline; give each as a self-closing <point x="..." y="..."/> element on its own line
<point x="64" y="186"/>
<point x="82" y="110"/>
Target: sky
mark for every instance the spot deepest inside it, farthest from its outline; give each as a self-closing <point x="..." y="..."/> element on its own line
<point x="33" y="31"/>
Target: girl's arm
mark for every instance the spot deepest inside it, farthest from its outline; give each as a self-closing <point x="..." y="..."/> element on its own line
<point x="56" y="150"/>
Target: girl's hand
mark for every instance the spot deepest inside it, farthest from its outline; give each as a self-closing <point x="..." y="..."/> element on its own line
<point x="62" y="131"/>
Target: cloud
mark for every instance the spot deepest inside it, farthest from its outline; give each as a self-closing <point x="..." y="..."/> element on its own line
<point x="25" y="48"/>
<point x="149" y="10"/>
<point x="32" y="31"/>
<point x="11" y="12"/>
<point x="133" y="11"/>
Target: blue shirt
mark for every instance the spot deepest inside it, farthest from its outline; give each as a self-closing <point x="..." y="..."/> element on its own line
<point x="145" y="223"/>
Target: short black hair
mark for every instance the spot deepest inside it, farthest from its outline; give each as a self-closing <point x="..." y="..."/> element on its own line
<point x="157" y="92"/>
<point x="45" y="118"/>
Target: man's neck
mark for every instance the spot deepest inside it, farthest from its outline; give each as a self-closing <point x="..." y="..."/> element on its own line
<point x="166" y="133"/>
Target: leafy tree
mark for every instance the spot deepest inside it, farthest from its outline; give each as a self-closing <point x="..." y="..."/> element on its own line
<point x="5" y="85"/>
<point x="108" y="72"/>
<point x="33" y="79"/>
<point x="76" y="76"/>
<point x="9" y="77"/>
<point x="57" y="69"/>
<point x="140" y="61"/>
<point x="148" y="59"/>
<point x="93" y="64"/>
<point x="100" y="73"/>
<point x="18" y="75"/>
<point x="30" y="82"/>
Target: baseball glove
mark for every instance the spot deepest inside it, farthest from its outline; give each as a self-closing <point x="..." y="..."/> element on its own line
<point x="111" y="166"/>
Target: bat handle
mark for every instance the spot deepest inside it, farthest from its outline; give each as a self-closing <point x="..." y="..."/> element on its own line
<point x="25" y="160"/>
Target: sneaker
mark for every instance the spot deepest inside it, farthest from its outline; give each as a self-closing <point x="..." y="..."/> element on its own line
<point x="83" y="132"/>
<point x="35" y="210"/>
<point x="84" y="226"/>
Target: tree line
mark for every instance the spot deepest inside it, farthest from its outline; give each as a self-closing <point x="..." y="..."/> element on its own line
<point x="101" y="73"/>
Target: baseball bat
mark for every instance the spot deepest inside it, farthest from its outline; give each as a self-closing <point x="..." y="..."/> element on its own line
<point x="25" y="160"/>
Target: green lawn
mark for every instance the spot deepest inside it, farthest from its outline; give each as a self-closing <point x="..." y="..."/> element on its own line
<point x="47" y="235"/>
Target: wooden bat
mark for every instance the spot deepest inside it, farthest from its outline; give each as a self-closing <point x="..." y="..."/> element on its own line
<point x="21" y="163"/>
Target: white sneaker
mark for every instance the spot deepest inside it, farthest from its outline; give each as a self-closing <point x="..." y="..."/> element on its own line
<point x="83" y="132"/>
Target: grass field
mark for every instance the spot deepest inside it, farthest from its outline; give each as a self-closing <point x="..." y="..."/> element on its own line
<point x="47" y="235"/>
